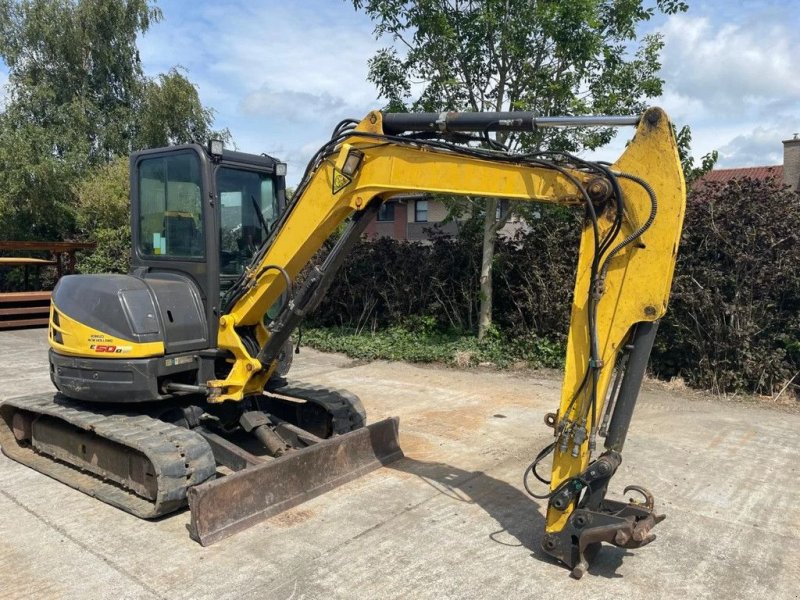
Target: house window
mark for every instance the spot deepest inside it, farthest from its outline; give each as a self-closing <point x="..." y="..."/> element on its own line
<point x="421" y="211"/>
<point x="386" y="212"/>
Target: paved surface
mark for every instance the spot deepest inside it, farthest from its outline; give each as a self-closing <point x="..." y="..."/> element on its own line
<point x="450" y="521"/>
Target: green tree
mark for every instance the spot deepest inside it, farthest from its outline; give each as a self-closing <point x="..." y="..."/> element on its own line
<point x="74" y="69"/>
<point x="74" y="80"/>
<point x="172" y="113"/>
<point x="103" y="198"/>
<point x="78" y="98"/>
<point x="569" y="57"/>
<point x="103" y="216"/>
<point x="35" y="183"/>
<point x="692" y="173"/>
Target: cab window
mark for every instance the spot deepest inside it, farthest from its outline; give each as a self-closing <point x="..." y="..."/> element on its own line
<point x="248" y="208"/>
<point x="170" y="206"/>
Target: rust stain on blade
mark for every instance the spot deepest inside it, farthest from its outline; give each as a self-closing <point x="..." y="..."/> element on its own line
<point x="225" y="506"/>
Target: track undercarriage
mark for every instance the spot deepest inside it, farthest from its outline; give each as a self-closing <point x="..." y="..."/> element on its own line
<point x="288" y="445"/>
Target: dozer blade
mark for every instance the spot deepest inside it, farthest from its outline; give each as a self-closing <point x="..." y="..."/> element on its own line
<point x="228" y="505"/>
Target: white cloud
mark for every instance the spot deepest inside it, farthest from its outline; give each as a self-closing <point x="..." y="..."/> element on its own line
<point x="316" y="49"/>
<point x="288" y="104"/>
<point x="761" y="146"/>
<point x="298" y="157"/>
<point x="732" y="76"/>
<point x="732" y="67"/>
<point x="683" y="109"/>
<point x="280" y="75"/>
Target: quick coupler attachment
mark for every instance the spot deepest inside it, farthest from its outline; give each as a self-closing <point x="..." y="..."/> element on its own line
<point x="596" y="519"/>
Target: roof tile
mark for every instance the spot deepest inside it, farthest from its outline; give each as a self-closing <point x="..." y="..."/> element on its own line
<point x="724" y="175"/>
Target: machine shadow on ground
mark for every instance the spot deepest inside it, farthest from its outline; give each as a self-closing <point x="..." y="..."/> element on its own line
<point x="518" y="514"/>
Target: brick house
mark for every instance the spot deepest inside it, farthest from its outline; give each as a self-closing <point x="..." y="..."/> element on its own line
<point x="412" y="217"/>
<point x="409" y="217"/>
<point x="788" y="173"/>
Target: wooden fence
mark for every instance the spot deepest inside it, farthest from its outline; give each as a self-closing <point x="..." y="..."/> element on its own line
<point x="29" y="308"/>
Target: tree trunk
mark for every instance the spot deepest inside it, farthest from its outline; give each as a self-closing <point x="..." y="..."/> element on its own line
<point x="489" y="237"/>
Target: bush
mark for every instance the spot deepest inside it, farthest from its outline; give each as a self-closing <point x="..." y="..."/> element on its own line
<point x="104" y="217"/>
<point x="402" y="343"/>
<point x="103" y="197"/>
<point x="734" y="317"/>
<point x="112" y="254"/>
<point x="534" y="275"/>
<point x="733" y="322"/>
<point x="383" y="282"/>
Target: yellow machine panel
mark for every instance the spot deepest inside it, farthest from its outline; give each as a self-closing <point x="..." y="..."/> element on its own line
<point x="72" y="338"/>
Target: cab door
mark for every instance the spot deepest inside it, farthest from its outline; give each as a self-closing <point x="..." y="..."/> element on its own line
<point x="175" y="244"/>
<point x="248" y="207"/>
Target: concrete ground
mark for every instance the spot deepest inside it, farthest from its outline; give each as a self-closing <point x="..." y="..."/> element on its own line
<point x="450" y="520"/>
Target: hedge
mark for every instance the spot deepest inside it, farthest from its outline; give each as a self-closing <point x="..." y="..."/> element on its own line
<point x="734" y="317"/>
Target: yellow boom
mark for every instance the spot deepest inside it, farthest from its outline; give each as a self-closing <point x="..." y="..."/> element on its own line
<point x="627" y="257"/>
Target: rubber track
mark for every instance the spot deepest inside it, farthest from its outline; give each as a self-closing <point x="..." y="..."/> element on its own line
<point x="346" y="410"/>
<point x="180" y="457"/>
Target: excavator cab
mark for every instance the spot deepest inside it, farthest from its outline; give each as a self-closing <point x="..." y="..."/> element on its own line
<point x="203" y="213"/>
<point x="198" y="216"/>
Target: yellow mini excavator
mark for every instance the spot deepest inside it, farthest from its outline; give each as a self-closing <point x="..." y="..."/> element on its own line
<point x="171" y="380"/>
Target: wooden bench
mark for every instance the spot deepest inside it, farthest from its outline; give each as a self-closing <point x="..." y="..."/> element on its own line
<point x="25" y="263"/>
<point x="32" y="308"/>
<point x="24" y="309"/>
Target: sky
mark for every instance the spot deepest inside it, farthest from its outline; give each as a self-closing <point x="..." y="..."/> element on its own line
<point x="280" y="74"/>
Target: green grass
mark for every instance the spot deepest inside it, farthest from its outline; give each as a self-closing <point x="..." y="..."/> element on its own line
<point x="425" y="345"/>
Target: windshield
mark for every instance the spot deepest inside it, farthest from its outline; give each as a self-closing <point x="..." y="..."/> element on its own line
<point x="248" y="208"/>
